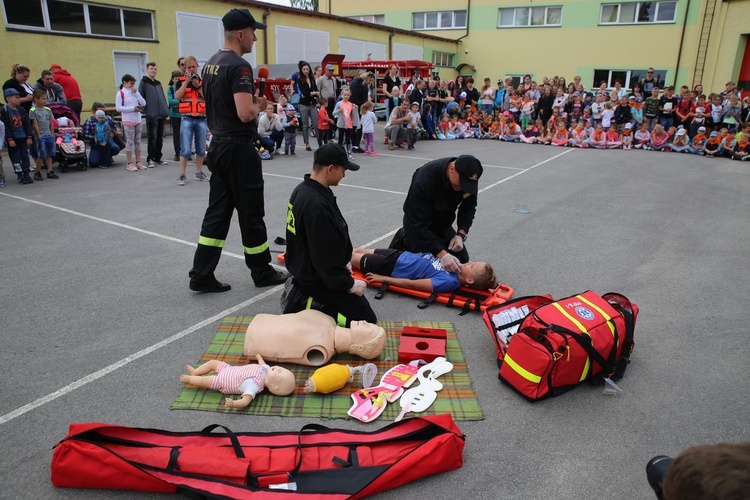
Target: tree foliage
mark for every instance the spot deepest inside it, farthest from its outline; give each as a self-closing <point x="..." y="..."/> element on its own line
<point x="304" y="4"/>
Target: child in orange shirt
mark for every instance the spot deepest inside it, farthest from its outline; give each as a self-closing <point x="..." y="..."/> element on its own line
<point x="578" y="136"/>
<point x="324" y="122"/>
<point x="598" y="138"/>
<point x="713" y="145"/>
<point x="560" y="137"/>
<point x="698" y="144"/>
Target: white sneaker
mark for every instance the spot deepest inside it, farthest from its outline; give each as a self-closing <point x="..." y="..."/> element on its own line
<point x="182" y="181"/>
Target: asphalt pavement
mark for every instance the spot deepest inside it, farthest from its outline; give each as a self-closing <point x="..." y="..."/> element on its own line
<point x="97" y="321"/>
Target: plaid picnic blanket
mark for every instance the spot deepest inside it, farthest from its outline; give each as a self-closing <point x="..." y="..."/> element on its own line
<point x="457" y="397"/>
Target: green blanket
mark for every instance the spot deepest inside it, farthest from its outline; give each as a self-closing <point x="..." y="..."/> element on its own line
<point x="457" y="397"/>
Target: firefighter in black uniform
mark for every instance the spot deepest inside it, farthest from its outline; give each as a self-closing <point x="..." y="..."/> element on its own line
<point x="439" y="188"/>
<point x="318" y="246"/>
<point x="237" y="176"/>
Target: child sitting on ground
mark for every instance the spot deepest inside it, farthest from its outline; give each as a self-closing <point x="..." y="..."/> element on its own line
<point x="642" y="137"/>
<point x="613" y="138"/>
<point x="698" y="144"/>
<point x="659" y="139"/>
<point x="681" y="142"/>
<point x="713" y="145"/>
<point x="247" y="380"/>
<point x="420" y="271"/>
<point x="445" y="128"/>
<point x="560" y="137"/>
<point x="627" y="136"/>
<point x="598" y="139"/>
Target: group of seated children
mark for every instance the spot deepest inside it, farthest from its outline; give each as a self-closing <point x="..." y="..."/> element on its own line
<point x="599" y="134"/>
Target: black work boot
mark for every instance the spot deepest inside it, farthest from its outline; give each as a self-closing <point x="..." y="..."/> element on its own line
<point x="208" y="285"/>
<point x="268" y="276"/>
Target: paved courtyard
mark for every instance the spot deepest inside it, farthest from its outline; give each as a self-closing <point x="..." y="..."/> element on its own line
<point x="97" y="321"/>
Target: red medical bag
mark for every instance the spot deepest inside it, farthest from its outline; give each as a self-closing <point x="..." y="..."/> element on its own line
<point x="562" y="343"/>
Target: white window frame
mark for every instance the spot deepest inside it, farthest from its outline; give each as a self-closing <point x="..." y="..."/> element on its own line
<point x="657" y="6"/>
<point x="660" y="76"/>
<point x="439" y="15"/>
<point x="48" y="27"/>
<point x="372" y="18"/>
<point x="517" y="10"/>
<point x="443" y="59"/>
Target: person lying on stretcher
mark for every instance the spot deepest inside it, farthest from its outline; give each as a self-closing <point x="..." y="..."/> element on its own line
<point x="420" y="271"/>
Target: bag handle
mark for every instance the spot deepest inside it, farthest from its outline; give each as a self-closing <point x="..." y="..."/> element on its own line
<point x="232" y="437"/>
<point x="585" y="342"/>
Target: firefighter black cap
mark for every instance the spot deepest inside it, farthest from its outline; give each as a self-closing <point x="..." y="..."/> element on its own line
<point x="469" y="171"/>
<point x="239" y="19"/>
<point x="334" y="154"/>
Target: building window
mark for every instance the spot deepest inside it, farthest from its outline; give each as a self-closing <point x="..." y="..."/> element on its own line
<point x="60" y="16"/>
<point x="443" y="59"/>
<point x="627" y="77"/>
<point x="522" y="17"/>
<point x="638" y="13"/>
<point x="438" y="20"/>
<point x="375" y="18"/>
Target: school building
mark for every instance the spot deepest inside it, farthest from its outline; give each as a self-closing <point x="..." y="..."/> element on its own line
<point x="686" y="41"/>
<point x="98" y="42"/>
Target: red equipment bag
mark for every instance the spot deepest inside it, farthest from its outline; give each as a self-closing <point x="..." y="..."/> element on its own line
<point x="316" y="462"/>
<point x="562" y="343"/>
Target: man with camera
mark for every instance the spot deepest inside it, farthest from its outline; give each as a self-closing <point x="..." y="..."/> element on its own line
<point x="193" y="126"/>
<point x="233" y="106"/>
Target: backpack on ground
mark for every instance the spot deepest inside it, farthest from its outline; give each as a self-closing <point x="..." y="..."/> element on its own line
<point x="316" y="462"/>
<point x="546" y="347"/>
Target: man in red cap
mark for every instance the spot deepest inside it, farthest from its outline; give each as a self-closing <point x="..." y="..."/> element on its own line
<point x="70" y="88"/>
<point x="441" y="191"/>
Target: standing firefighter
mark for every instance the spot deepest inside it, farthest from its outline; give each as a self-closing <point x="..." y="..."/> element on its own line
<point x="232" y="109"/>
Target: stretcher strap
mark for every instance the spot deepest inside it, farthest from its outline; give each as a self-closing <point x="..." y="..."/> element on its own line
<point x="381" y="291"/>
<point x="429" y="300"/>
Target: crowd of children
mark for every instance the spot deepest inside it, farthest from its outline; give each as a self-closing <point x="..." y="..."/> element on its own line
<point x="717" y="125"/>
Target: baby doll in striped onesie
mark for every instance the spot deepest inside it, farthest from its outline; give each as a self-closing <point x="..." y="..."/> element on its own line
<point x="247" y="380"/>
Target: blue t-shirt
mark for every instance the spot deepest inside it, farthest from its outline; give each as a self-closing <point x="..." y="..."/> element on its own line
<point x="416" y="266"/>
<point x="16" y="120"/>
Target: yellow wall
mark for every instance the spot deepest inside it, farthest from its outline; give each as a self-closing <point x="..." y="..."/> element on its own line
<point x="727" y="44"/>
<point x="91" y="61"/>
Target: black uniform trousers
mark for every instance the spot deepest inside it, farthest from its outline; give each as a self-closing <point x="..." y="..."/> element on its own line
<point x="344" y="307"/>
<point x="401" y="242"/>
<point x="236" y="183"/>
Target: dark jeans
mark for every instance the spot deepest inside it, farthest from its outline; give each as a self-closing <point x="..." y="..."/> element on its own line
<point x="273" y="142"/>
<point x="401" y="241"/>
<point x="175" y="124"/>
<point x="76" y="105"/>
<point x="102" y="155"/>
<point x="155" y="132"/>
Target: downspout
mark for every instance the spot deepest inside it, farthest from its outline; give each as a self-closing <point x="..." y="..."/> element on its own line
<point x="682" y="40"/>
<point x="265" y="36"/>
<point x="390" y="44"/>
<point x="468" y="17"/>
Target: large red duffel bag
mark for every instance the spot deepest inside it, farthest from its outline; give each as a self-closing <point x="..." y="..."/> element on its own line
<point x="316" y="462"/>
<point x="562" y="343"/>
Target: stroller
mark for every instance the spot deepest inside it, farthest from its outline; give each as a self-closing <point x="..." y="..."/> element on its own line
<point x="71" y="149"/>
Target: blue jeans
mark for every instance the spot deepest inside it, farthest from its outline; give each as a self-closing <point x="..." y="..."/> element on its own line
<point x="98" y="155"/>
<point x="193" y="130"/>
<point x="46" y="146"/>
<point x="666" y="121"/>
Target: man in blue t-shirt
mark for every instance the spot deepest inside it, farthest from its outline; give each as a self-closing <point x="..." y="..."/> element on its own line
<point x="420" y="271"/>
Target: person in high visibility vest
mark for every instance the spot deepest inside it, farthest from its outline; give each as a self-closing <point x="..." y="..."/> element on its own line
<point x="193" y="125"/>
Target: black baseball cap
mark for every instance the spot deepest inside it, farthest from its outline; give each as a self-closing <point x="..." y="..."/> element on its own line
<point x="334" y="154"/>
<point x="239" y="19"/>
<point x="469" y="171"/>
